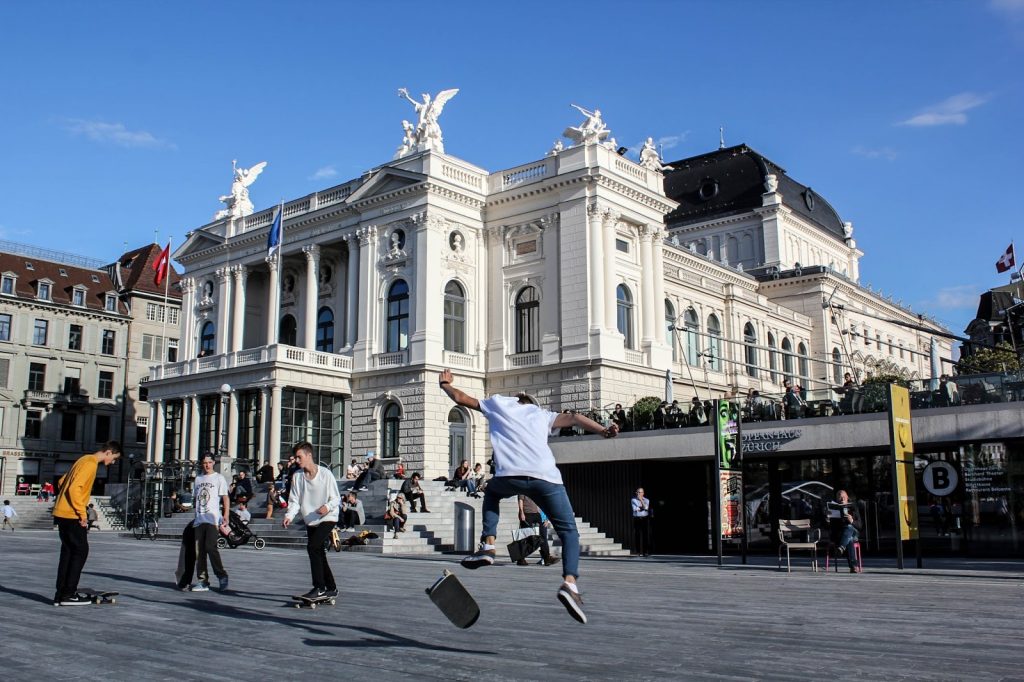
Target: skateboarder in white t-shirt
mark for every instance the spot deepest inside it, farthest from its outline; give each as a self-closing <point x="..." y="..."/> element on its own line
<point x="525" y="465"/>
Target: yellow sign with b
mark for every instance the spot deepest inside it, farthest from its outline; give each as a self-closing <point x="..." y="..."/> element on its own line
<point x="902" y="448"/>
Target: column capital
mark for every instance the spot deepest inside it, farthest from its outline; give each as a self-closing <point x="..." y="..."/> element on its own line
<point x="240" y="272"/>
<point x="222" y="274"/>
<point x="594" y="209"/>
<point x="272" y="263"/>
<point x="312" y="253"/>
<point x="647" y="232"/>
<point x="610" y="216"/>
<point x="187" y="285"/>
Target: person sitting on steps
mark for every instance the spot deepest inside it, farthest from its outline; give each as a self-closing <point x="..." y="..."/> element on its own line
<point x="413" y="492"/>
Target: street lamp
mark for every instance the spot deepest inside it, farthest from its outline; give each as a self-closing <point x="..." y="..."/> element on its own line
<point x="225" y="396"/>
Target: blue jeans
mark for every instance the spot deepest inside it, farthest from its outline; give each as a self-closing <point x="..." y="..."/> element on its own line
<point x="552" y="500"/>
<point x="846" y="542"/>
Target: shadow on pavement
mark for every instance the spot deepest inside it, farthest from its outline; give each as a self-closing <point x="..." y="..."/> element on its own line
<point x="171" y="585"/>
<point x="42" y="599"/>
<point x="387" y="640"/>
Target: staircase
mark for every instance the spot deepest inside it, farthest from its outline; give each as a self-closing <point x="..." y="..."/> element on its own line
<point x="32" y="515"/>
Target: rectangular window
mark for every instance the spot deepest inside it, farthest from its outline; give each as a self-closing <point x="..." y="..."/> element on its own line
<point x="39" y="332"/>
<point x="36" y="376"/>
<point x="111" y="303"/>
<point x="5" y="370"/>
<point x="1" y="421"/>
<point x="154" y="312"/>
<point x="33" y="423"/>
<point x="44" y="291"/>
<point x="107" y="342"/>
<point x="622" y="245"/>
<point x="68" y="426"/>
<point x="7" y="286"/>
<point x="72" y="385"/>
<point x="75" y="337"/>
<point x="172" y="350"/>
<point x="5" y="327"/>
<point x="102" y="428"/>
<point x="172" y="316"/>
<point x="140" y="433"/>
<point x="105" y="389"/>
<point x="78" y="298"/>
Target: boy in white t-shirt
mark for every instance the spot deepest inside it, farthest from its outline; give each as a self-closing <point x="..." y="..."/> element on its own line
<point x="525" y="465"/>
<point x="212" y="506"/>
<point x="9" y="514"/>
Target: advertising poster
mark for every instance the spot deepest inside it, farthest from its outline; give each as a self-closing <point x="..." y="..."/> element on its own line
<point x="730" y="469"/>
<point x="903" y="461"/>
<point x="731" y="491"/>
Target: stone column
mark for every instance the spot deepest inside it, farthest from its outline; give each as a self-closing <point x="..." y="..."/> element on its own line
<point x="232" y="416"/>
<point x="647" y="283"/>
<point x="658" y="274"/>
<point x="312" y="253"/>
<point x="594" y="215"/>
<point x="241" y="274"/>
<point x="156" y="426"/>
<point x="193" y="428"/>
<point x="273" y="299"/>
<point x="352" y="291"/>
<point x="364" y="334"/>
<point x="610" y="220"/>
<point x="188" y="310"/>
<point x="264" y="424"/>
<point x="223" y="314"/>
<point x="274" y="441"/>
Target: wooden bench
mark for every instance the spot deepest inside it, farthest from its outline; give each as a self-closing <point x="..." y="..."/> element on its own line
<point x="800" y="528"/>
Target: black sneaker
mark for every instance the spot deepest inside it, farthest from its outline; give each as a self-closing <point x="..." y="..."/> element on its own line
<point x="482" y="557"/>
<point x="315" y="594"/>
<point x="74" y="600"/>
<point x="331" y="593"/>
<point x="573" y="602"/>
<point x="522" y="562"/>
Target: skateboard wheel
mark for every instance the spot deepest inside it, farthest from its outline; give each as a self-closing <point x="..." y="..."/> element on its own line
<point x="113" y="601"/>
<point x="298" y="606"/>
<point x="259" y="543"/>
<point x="312" y="606"/>
<point x="333" y="602"/>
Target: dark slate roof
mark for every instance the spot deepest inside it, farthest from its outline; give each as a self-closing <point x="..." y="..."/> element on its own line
<point x="137" y="273"/>
<point x="30" y="270"/>
<point x="730" y="181"/>
<point x="992" y="305"/>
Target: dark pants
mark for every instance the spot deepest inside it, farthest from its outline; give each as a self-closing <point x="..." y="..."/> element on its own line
<point x="350" y="518"/>
<point x="396" y="523"/>
<point x="535" y="520"/>
<point x="206" y="539"/>
<point x="74" y="550"/>
<point x="642" y="531"/>
<point x="366" y="478"/>
<point x="412" y="497"/>
<point x="316" y="536"/>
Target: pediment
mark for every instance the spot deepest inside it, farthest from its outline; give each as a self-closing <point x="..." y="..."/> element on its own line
<point x="383" y="182"/>
<point x="199" y="240"/>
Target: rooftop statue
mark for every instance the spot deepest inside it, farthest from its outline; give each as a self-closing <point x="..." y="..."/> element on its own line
<point x="237" y="203"/>
<point x="590" y="131"/>
<point x="650" y="158"/>
<point x="427" y="133"/>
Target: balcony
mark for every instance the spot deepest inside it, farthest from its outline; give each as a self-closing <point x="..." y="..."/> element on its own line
<point x="72" y="400"/>
<point x="275" y="354"/>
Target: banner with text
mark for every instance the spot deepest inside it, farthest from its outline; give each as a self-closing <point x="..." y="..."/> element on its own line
<point x="902" y="449"/>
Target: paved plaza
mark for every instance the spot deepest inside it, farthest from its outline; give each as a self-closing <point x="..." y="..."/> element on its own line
<point x="670" y="618"/>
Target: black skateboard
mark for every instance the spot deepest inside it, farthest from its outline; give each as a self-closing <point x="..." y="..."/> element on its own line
<point x="306" y="602"/>
<point x="99" y="597"/>
<point x="454" y="600"/>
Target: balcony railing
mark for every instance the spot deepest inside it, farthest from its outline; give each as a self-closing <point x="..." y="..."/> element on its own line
<point x="53" y="398"/>
<point x="280" y="353"/>
<point x="524" y="359"/>
<point x="453" y="359"/>
<point x="390" y="359"/>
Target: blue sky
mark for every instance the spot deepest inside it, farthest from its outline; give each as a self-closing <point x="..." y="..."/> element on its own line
<point x="121" y="118"/>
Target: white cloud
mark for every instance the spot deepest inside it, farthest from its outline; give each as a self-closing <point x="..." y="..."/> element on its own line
<point x="887" y="153"/>
<point x="961" y="297"/>
<point x="952" y="111"/>
<point x="116" y="133"/>
<point x="324" y="173"/>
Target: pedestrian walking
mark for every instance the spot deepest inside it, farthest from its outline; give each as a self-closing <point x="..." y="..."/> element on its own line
<point x="212" y="506"/>
<point x="72" y="520"/>
<point x="525" y="465"/>
<point x="9" y="515"/>
<point x="314" y="494"/>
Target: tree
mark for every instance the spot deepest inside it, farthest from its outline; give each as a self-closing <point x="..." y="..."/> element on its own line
<point x="985" y="360"/>
<point x="643" y="411"/>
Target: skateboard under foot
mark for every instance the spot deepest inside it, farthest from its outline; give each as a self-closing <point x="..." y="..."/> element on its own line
<point x="99" y="597"/>
<point x="306" y="602"/>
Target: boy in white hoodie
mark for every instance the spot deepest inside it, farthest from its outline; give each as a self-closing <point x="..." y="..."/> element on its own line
<point x="314" y="494"/>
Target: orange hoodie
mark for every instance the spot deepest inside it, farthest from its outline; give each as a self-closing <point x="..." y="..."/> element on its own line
<point x="76" y="488"/>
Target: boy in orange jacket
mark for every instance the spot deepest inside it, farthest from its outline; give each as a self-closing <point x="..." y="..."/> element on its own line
<point x="70" y="514"/>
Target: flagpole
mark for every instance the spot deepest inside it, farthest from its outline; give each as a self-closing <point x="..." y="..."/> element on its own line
<point x="163" y="326"/>
<point x="280" y="274"/>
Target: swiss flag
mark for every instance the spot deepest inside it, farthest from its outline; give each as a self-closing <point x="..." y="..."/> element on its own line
<point x="1006" y="261"/>
<point x="163" y="262"/>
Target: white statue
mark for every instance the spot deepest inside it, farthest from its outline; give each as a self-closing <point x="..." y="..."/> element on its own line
<point x="457" y="243"/>
<point x="650" y="158"/>
<point x="771" y="183"/>
<point x="555" y="148"/>
<point x="592" y="130"/>
<point x="408" y="140"/>
<point x="237" y="203"/>
<point x="847" y="230"/>
<point x="427" y="131"/>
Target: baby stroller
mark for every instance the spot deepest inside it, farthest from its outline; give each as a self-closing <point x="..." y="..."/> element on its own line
<point x="239" y="534"/>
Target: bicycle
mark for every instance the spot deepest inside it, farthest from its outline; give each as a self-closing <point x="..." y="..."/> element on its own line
<point x="146" y="526"/>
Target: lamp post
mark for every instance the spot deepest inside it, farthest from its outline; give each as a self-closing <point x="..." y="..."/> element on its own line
<point x="223" y="455"/>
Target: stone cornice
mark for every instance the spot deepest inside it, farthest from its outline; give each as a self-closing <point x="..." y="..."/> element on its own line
<point x="696" y="262"/>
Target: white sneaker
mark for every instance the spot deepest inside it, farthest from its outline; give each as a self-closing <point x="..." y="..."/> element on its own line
<point x="199" y="587"/>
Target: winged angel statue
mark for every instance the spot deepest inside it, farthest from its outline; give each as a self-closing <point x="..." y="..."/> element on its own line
<point x="237" y="203"/>
<point x="590" y="131"/>
<point x="427" y="133"/>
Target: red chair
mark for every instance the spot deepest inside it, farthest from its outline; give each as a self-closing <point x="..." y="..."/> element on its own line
<point x="833" y="553"/>
<point x="23" y="489"/>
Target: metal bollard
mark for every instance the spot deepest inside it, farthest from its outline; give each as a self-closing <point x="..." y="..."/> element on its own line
<point x="465" y="527"/>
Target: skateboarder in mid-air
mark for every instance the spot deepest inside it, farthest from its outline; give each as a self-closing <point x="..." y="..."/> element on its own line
<point x="314" y="495"/>
<point x="524" y="465"/>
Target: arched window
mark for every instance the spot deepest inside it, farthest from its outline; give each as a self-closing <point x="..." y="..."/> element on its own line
<point x="207" y="340"/>
<point x="773" y="358"/>
<point x="392" y="418"/>
<point x="805" y="364"/>
<point x="750" y="341"/>
<point x="837" y="366"/>
<point x="787" y="359"/>
<point x="457" y="441"/>
<point x="454" y="318"/>
<point x="287" y="332"/>
<point x="527" y="321"/>
<point x="692" y="337"/>
<point x="325" y="330"/>
<point x="670" y="320"/>
<point x="714" y="349"/>
<point x="398" y="317"/>
<point x="624" y="314"/>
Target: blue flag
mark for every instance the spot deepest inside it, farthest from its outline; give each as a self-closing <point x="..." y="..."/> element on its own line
<point x="274" y="237"/>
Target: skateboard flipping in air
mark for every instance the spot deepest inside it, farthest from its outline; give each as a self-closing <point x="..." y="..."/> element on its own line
<point x="454" y="600"/>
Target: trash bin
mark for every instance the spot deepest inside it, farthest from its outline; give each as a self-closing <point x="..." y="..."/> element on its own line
<point x="465" y="527"/>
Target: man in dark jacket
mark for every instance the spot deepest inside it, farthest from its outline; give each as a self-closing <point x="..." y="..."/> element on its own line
<point x="412" y="491"/>
<point x="374" y="471"/>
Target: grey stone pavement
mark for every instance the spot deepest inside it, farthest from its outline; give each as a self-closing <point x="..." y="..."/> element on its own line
<point x="660" y="618"/>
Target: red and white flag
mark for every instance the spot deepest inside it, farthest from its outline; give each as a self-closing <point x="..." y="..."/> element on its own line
<point x="1006" y="261"/>
<point x="162" y="262"/>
